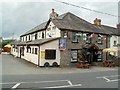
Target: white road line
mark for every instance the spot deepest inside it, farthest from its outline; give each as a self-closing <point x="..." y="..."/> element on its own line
<point x="113" y="80"/>
<point x="108" y="76"/>
<point x="36" y="82"/>
<point x="106" y="79"/>
<point x="65" y="86"/>
<point x="16" y="85"/>
<point x="70" y="82"/>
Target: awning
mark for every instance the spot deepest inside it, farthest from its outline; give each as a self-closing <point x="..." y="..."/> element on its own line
<point x="109" y="50"/>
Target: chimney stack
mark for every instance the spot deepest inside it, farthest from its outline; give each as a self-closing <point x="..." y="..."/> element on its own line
<point x="118" y="26"/>
<point x="97" y="21"/>
<point x="53" y="14"/>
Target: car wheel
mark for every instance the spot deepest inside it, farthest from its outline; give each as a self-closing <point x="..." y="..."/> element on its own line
<point x="46" y="64"/>
<point x="55" y="64"/>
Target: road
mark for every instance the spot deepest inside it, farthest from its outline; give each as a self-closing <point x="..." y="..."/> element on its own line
<point x="18" y="74"/>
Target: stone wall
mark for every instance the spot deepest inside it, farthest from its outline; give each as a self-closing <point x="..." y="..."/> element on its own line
<point x="66" y="54"/>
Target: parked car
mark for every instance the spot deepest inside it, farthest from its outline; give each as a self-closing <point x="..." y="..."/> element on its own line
<point x="1" y="50"/>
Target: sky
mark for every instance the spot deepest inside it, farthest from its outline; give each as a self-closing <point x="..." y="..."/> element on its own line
<point x="20" y="16"/>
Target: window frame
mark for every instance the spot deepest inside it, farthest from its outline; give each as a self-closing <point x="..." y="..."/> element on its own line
<point x="74" y="37"/>
<point x="36" y="50"/>
<point x="101" y="40"/>
<point x="43" y="35"/>
<point x="74" y="61"/>
<point x="88" y="39"/>
<point x="50" y="58"/>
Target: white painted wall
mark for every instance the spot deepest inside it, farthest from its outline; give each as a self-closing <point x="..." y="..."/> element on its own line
<point x="14" y="51"/>
<point x="53" y="32"/>
<point x="33" y="58"/>
<point x="50" y="45"/>
<point x="112" y="39"/>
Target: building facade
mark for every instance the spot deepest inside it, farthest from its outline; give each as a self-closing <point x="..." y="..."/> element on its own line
<point x="63" y="41"/>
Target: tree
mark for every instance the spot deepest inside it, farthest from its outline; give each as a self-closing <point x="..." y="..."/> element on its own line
<point x="3" y="43"/>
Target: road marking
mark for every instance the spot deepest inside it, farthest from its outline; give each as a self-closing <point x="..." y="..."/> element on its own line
<point x="16" y="85"/>
<point x="36" y="82"/>
<point x="107" y="78"/>
<point x="113" y="80"/>
<point x="65" y="86"/>
<point x="70" y="82"/>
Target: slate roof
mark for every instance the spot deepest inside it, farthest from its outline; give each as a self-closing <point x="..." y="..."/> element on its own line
<point x="14" y="42"/>
<point x="69" y="21"/>
<point x="37" y="28"/>
<point x="37" y="42"/>
<point x="114" y="31"/>
<point x="72" y="22"/>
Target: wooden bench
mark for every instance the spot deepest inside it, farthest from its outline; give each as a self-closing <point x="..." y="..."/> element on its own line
<point x="83" y="64"/>
<point x="108" y="63"/>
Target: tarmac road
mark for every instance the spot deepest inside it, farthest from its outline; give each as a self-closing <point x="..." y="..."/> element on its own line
<point x="18" y="74"/>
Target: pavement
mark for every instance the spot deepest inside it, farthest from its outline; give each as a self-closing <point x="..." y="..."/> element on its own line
<point x="20" y="74"/>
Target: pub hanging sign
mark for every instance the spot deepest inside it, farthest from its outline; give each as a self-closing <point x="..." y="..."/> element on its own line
<point x="62" y="44"/>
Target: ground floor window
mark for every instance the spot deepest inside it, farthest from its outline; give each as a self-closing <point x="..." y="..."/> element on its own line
<point x="99" y="56"/>
<point x="50" y="54"/>
<point x="28" y="49"/>
<point x="32" y="50"/>
<point x="74" y="55"/>
<point x="35" y="50"/>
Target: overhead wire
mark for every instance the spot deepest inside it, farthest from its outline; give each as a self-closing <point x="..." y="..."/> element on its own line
<point x="86" y="8"/>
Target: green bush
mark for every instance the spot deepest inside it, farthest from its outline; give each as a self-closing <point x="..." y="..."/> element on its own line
<point x="3" y="43"/>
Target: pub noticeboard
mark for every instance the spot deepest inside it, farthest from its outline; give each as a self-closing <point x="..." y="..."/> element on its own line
<point x="62" y="44"/>
<point x="42" y="54"/>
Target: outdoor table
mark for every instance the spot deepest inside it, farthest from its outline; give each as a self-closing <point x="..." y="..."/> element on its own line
<point x="108" y="63"/>
<point x="83" y="64"/>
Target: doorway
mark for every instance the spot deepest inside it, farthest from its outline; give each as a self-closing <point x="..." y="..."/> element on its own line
<point x="92" y="54"/>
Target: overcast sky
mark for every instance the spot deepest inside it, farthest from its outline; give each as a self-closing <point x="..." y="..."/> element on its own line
<point x="19" y="17"/>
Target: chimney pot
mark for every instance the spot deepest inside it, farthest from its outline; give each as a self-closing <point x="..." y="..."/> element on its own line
<point x="118" y="25"/>
<point x="97" y="21"/>
<point x="53" y="15"/>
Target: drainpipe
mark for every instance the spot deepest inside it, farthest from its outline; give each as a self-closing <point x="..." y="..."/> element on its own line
<point x="38" y="55"/>
<point x="107" y="46"/>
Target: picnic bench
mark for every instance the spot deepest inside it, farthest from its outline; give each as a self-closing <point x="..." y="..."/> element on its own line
<point x="83" y="64"/>
<point x="108" y="63"/>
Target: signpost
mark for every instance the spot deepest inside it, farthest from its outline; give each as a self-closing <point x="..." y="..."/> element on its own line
<point x="62" y="44"/>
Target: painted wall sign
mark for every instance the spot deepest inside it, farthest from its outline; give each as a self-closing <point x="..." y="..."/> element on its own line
<point x="42" y="54"/>
<point x="62" y="44"/>
<point x="51" y="32"/>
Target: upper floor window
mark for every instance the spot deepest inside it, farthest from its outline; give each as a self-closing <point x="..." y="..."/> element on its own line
<point x="74" y="37"/>
<point x="65" y="34"/>
<point x="26" y="38"/>
<point x="115" y="42"/>
<point x="22" y="38"/>
<point x="88" y="38"/>
<point x="36" y="36"/>
<point x="42" y="34"/>
<point x="29" y="37"/>
<point x="99" y="39"/>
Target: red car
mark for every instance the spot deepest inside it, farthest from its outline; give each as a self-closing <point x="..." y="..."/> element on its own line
<point x="1" y="50"/>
